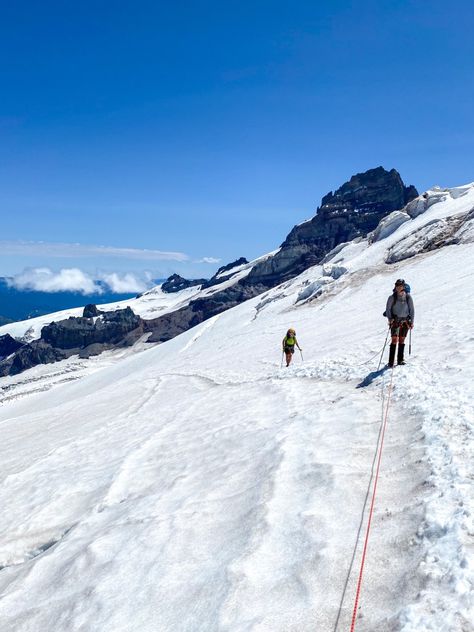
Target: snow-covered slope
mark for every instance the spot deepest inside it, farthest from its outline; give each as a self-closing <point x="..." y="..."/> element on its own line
<point x="198" y="486"/>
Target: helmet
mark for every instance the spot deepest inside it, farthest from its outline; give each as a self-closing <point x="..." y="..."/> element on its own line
<point x="400" y="282"/>
<point x="291" y="331"/>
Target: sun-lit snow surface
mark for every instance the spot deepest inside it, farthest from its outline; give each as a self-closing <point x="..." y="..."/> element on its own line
<point x="198" y="486"/>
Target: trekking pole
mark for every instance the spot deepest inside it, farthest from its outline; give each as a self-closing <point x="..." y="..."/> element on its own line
<point x="384" y="345"/>
<point x="301" y="353"/>
<point x="282" y="356"/>
<point x="409" y="345"/>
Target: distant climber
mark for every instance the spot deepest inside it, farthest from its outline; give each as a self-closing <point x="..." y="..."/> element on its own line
<point x="289" y="343"/>
<point x="400" y="312"/>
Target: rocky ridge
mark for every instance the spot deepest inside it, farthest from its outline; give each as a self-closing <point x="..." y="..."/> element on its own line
<point x="83" y="336"/>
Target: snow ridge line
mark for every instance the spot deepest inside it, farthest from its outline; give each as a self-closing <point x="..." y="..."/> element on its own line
<point x="371" y="511"/>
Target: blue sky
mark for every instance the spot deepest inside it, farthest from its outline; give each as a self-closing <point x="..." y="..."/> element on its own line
<point x="203" y="131"/>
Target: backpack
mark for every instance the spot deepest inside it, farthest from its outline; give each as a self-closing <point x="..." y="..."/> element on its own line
<point x="407" y="290"/>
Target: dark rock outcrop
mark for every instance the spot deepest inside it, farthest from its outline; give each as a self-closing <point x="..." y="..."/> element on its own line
<point x="83" y="336"/>
<point x="29" y="355"/>
<point x="90" y="311"/>
<point x="230" y="266"/>
<point x="75" y="333"/>
<point x="221" y="276"/>
<point x="8" y="345"/>
<point x="176" y="283"/>
<point x="352" y="211"/>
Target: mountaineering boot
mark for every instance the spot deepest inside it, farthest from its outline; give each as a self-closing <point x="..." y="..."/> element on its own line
<point x="401" y="349"/>
<point x="391" y="355"/>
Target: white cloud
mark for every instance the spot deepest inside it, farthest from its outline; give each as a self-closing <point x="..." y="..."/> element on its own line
<point x="75" y="280"/>
<point x="45" y="280"/>
<point x="46" y="249"/>
<point x="208" y="260"/>
<point x="125" y="284"/>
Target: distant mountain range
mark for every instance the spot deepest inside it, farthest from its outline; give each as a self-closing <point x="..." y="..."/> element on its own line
<point x="22" y="304"/>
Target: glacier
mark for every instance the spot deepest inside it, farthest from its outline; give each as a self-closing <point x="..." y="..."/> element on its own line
<point x="197" y="486"/>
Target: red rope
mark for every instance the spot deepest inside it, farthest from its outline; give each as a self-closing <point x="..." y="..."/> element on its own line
<point x="359" y="582"/>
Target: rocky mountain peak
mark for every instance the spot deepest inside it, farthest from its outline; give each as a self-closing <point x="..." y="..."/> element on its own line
<point x="368" y="192"/>
<point x="176" y="283"/>
<point x="230" y="266"/>
<point x="351" y="211"/>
